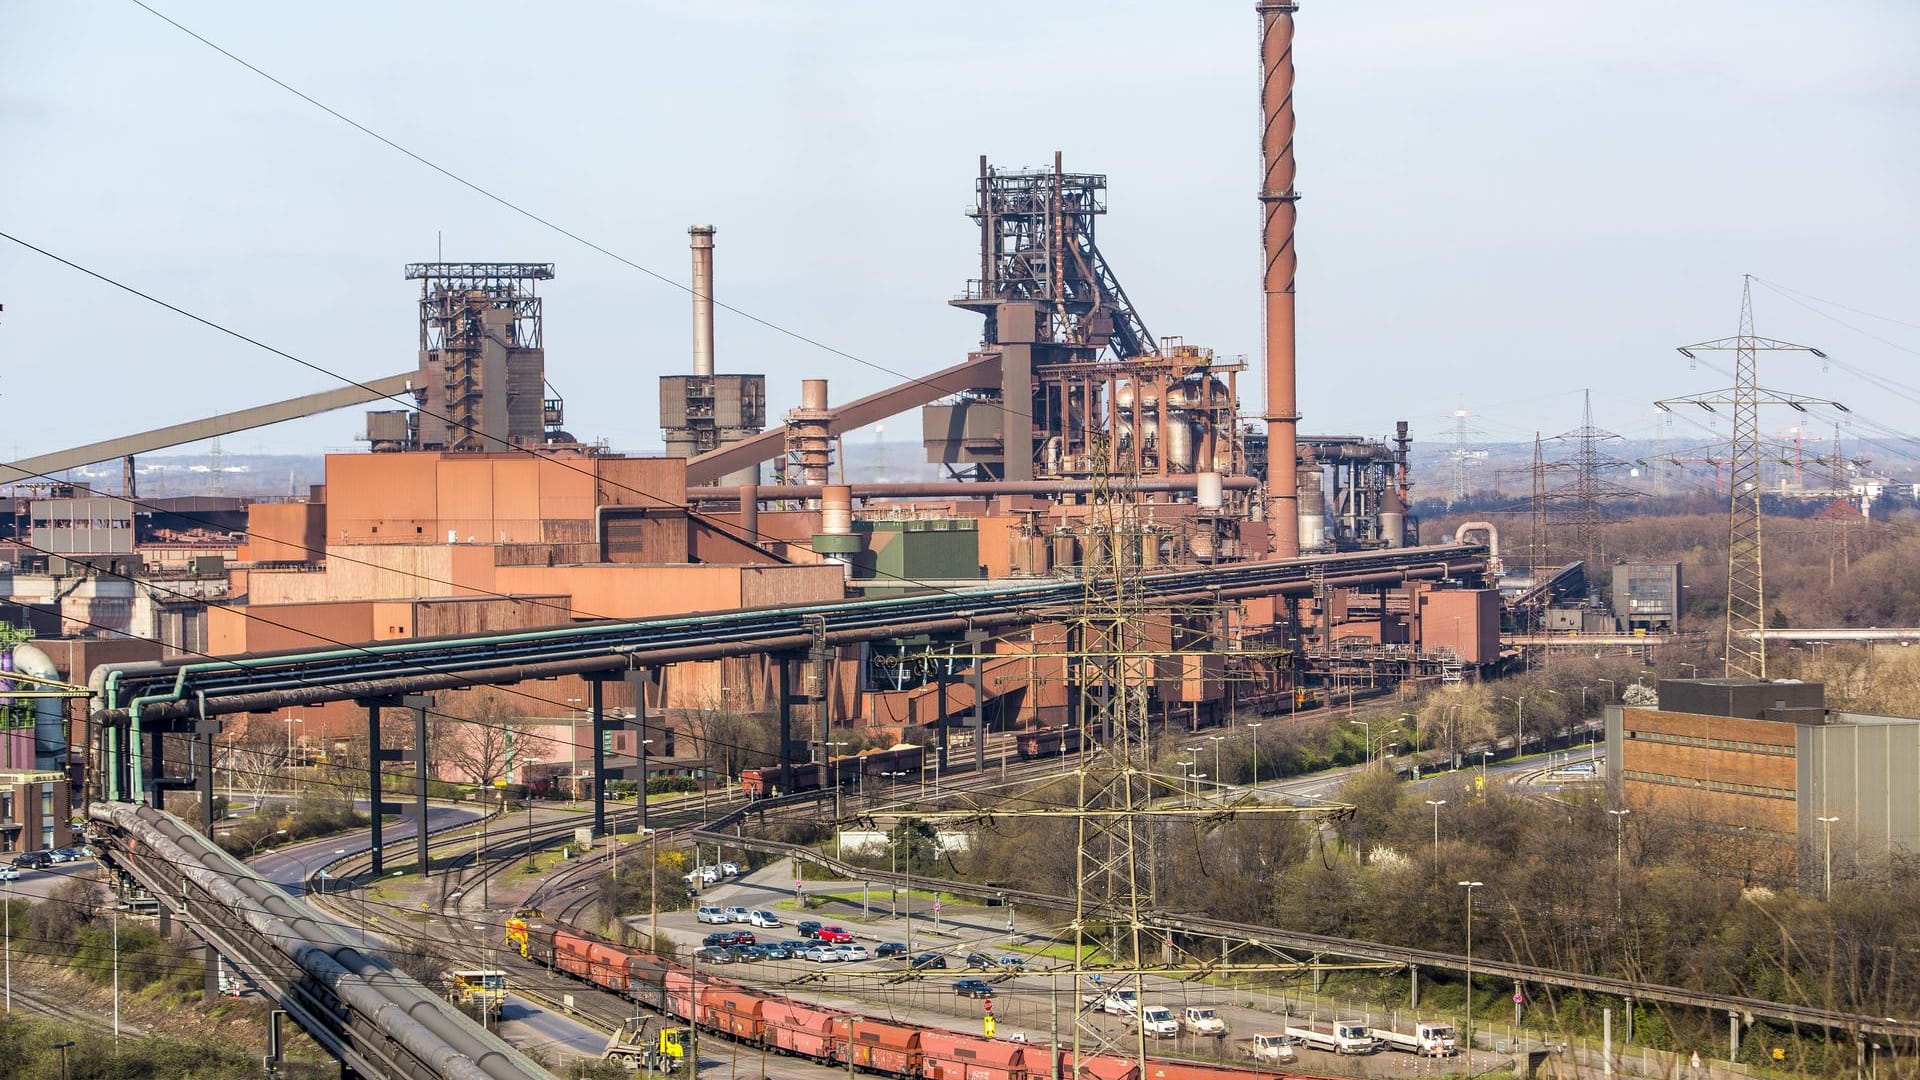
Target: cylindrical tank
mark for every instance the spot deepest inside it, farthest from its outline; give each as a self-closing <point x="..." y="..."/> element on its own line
<point x="49" y="714"/>
<point x="1313" y="509"/>
<point x="1179" y="445"/>
<point x="836" y="510"/>
<point x="1210" y="490"/>
<point x="813" y="393"/>
<point x="1065" y="549"/>
<point x="1393" y="518"/>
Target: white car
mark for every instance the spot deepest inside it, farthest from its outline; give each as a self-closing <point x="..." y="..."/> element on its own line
<point x="849" y="953"/>
<point x="823" y="954"/>
<point x="738" y="914"/>
<point x="709" y="874"/>
<point x="731" y="869"/>
<point x="765" y="920"/>
<point x="711" y="915"/>
<point x="9" y="873"/>
<point x="1158" y="1022"/>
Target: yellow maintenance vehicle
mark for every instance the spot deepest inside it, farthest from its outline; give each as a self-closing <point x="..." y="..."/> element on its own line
<point x="480" y="992"/>
<point x="664" y="1053"/>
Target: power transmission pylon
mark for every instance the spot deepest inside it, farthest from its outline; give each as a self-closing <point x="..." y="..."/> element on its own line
<point x="1589" y="486"/>
<point x="1746" y="580"/>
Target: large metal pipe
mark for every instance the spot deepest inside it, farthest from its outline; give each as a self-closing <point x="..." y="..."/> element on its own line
<point x="1277" y="198"/>
<point x="941" y="489"/>
<point x="702" y="246"/>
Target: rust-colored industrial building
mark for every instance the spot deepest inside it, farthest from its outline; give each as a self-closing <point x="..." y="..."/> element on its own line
<point x="1772" y="771"/>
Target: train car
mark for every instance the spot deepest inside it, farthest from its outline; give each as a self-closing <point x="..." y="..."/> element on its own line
<point x="531" y="935"/>
<point x="1098" y="1067"/>
<point x="735" y="1011"/>
<point x="950" y="1055"/>
<point x="802" y="1030"/>
<point x="573" y="953"/>
<point x="765" y="783"/>
<point x="1164" y="1069"/>
<point x="607" y="965"/>
<point x="647" y="979"/>
<point x="886" y="1047"/>
<point x="1048" y="742"/>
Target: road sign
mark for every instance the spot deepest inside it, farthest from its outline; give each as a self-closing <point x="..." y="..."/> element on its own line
<point x="936" y="907"/>
<point x="986" y="1027"/>
<point x="986" y="1006"/>
<point x="1519" y="998"/>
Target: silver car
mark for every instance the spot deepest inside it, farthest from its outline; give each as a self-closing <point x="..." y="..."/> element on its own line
<point x="739" y="914"/>
<point x="823" y="954"/>
<point x="849" y="953"/>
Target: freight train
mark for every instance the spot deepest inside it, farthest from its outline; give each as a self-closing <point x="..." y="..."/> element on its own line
<point x="782" y="1025"/>
<point x="869" y="767"/>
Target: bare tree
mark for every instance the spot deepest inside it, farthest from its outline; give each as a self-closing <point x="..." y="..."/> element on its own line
<point x="256" y="754"/>
<point x="474" y="747"/>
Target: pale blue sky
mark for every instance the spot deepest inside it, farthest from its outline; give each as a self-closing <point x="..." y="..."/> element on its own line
<point x="1503" y="199"/>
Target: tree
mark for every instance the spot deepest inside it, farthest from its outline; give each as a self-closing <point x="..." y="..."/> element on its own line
<point x="474" y="747"/>
<point x="255" y="746"/>
<point x="731" y="740"/>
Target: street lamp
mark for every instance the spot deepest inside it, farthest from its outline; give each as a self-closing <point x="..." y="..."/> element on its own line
<point x="1436" y="804"/>
<point x="833" y="759"/>
<point x="1827" y="823"/>
<point x="1519" y="724"/>
<point x="1255" y="728"/>
<point x="1467" y="1041"/>
<point x="1219" y="776"/>
<point x="573" y="751"/>
<point x="290" y="721"/>
<point x="1366" y="758"/>
<point x="1619" y="852"/>
<point x="531" y="762"/>
<point x="1484" y="755"/>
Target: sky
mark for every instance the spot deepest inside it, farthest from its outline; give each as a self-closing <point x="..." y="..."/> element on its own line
<point x="1503" y="201"/>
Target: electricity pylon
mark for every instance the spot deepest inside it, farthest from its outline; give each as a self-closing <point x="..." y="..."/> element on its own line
<point x="1746" y="580"/>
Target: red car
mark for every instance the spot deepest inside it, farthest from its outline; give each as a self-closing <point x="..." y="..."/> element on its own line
<point x="832" y="935"/>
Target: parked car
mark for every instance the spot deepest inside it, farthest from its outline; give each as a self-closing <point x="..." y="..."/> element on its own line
<point x="889" y="950"/>
<point x="709" y="874"/>
<point x="929" y="960"/>
<point x="33" y="860"/>
<point x="63" y="854"/>
<point x="731" y="869"/>
<point x="744" y="952"/>
<point x="711" y="915"/>
<point x="8" y="873"/>
<point x="849" y="953"/>
<point x="73" y="854"/>
<point x="774" y="950"/>
<point x="765" y="920"/>
<point x="1013" y="963"/>
<point x="713" y="954"/>
<point x="973" y="988"/>
<point x="718" y="939"/>
<point x="806" y="928"/>
<point x="799" y="948"/>
<point x="739" y="914"/>
<point x="824" y="954"/>
<point x="980" y="960"/>
<point x="833" y="935"/>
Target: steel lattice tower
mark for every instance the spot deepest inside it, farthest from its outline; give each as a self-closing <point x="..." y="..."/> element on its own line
<point x="1746" y="579"/>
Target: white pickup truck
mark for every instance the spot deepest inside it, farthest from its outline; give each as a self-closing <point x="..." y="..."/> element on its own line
<point x="1124" y="1002"/>
<point x="1158" y="1022"/>
<point x="1345" y="1037"/>
<point x="1198" y="1020"/>
<point x="1430" y="1038"/>
<point x="1269" y="1049"/>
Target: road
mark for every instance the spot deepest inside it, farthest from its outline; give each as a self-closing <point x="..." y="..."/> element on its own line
<point x="290" y="865"/>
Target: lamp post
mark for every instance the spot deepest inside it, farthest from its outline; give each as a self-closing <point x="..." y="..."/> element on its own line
<point x="1436" y="804"/>
<point x="1466" y="1042"/>
<point x="1367" y="730"/>
<point x="833" y="759"/>
<point x="290" y="721"/>
<point x="1219" y="777"/>
<point x="1187" y="772"/>
<point x="1619" y="853"/>
<point x="531" y="762"/>
<point x="1519" y="723"/>
<point x="1414" y="728"/>
<point x="1613" y="690"/>
<point x="640" y="797"/>
<point x="573" y="751"/>
<point x="1484" y="755"/>
<point x="1255" y="728"/>
<point x="1827" y="823"/>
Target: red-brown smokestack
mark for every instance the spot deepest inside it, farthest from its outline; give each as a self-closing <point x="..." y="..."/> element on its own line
<point x="1277" y="198"/>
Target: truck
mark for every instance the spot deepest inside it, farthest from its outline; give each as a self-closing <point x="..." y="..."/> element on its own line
<point x="1430" y="1038"/>
<point x="1345" y="1037"/>
<point x="1269" y="1049"/>
<point x="482" y="992"/>
<point x="665" y="1052"/>
<point x="1158" y="1022"/>
<point x="1200" y="1020"/>
<point x="1123" y="1002"/>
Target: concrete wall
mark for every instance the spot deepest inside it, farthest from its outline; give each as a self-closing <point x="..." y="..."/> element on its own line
<point x="285" y="532"/>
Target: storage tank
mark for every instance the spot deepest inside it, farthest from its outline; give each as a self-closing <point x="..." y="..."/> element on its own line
<point x="49" y="714"/>
<point x="1313" y="508"/>
<point x="1210" y="491"/>
<point x="1393" y="518"/>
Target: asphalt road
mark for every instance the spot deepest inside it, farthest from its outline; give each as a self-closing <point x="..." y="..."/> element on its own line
<point x="39" y="884"/>
<point x="290" y="865"/>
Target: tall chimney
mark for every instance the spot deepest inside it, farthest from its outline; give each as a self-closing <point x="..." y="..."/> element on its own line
<point x="702" y="245"/>
<point x="1277" y="198"/>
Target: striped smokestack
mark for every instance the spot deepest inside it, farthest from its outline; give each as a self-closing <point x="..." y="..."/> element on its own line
<point x="1277" y="199"/>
